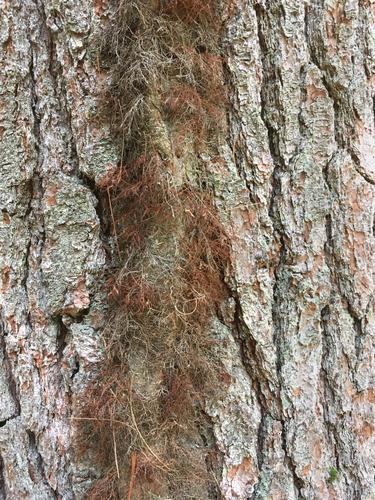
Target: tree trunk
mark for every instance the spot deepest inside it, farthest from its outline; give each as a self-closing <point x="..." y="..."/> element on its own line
<point x="296" y="195"/>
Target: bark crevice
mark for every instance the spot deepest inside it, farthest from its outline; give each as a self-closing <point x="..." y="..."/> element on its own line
<point x="36" y="464"/>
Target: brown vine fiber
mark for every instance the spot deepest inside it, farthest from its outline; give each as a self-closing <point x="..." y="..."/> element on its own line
<point x="143" y="418"/>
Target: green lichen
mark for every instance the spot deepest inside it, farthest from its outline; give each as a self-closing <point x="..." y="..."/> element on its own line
<point x="332" y="475"/>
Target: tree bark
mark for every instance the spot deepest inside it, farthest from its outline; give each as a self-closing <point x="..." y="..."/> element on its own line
<point x="296" y="195"/>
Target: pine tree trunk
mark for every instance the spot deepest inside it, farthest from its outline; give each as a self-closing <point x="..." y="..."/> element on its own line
<point x="296" y="195"/>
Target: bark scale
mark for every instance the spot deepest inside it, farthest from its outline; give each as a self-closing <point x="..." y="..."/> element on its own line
<point x="296" y="194"/>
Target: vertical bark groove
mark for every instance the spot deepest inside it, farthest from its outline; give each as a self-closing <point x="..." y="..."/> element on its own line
<point x="296" y="195"/>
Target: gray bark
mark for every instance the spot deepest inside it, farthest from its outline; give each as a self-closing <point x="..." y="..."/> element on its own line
<point x="296" y="194"/>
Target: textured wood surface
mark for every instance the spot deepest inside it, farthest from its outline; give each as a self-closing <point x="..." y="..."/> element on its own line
<point x="296" y="194"/>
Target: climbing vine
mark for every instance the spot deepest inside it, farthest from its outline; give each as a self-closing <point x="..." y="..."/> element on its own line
<point x="143" y="416"/>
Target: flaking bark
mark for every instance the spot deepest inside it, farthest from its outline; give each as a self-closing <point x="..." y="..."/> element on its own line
<point x="296" y="196"/>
